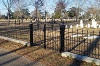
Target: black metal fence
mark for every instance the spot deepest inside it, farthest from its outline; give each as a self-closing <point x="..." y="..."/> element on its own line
<point x="52" y="37"/>
<point x="79" y="41"/>
<point x="47" y="35"/>
<point x="83" y="41"/>
<point x="55" y="37"/>
<point x="16" y="32"/>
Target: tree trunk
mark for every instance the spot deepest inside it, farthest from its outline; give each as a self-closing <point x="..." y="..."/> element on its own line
<point x="8" y="17"/>
<point x="37" y="19"/>
<point x="76" y="18"/>
<point x="36" y="14"/>
<point x="22" y="19"/>
<point x="45" y="16"/>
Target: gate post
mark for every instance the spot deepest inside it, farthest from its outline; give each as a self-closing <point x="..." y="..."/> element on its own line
<point x="62" y="31"/>
<point x="44" y="36"/>
<point x="31" y="34"/>
<point x="38" y="23"/>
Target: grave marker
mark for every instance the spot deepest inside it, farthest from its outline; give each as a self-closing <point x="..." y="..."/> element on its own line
<point x="94" y="23"/>
<point x="77" y="25"/>
<point x="66" y="26"/>
<point x="71" y="26"/>
<point x="89" y="25"/>
<point x="81" y="23"/>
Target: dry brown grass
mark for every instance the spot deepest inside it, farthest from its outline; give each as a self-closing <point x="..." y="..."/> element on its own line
<point x="38" y="54"/>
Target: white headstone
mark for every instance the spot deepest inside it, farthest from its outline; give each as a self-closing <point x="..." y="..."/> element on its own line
<point x="92" y="37"/>
<point x="71" y="26"/>
<point x="76" y="35"/>
<point x="77" y="25"/>
<point x="81" y="23"/>
<point x="94" y="23"/>
<point x="88" y="25"/>
<point x="68" y="18"/>
<point x="97" y="24"/>
<point x="66" y="26"/>
<point x="93" y="20"/>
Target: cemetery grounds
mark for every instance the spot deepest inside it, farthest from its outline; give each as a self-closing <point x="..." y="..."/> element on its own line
<point x="55" y="33"/>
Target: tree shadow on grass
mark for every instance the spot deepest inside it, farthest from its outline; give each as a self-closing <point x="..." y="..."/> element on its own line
<point x="11" y="51"/>
<point x="38" y="59"/>
<point x="88" y="51"/>
<point x="14" y="59"/>
<point x="5" y="53"/>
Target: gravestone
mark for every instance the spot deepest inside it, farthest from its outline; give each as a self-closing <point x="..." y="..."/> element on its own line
<point x="88" y="25"/>
<point x="66" y="26"/>
<point x="77" y="25"/>
<point x="81" y="23"/>
<point x="97" y="24"/>
<point x="76" y="35"/>
<point x="94" y="23"/>
<point x="71" y="26"/>
<point x="92" y="37"/>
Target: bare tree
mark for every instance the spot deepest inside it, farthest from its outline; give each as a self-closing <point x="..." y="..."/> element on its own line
<point x="0" y="14"/>
<point x="8" y="5"/>
<point x="98" y="13"/>
<point x="82" y="5"/>
<point x="37" y="4"/>
<point x="94" y="9"/>
<point x="61" y="5"/>
<point x="19" y="5"/>
<point x="33" y="14"/>
<point x="98" y="2"/>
